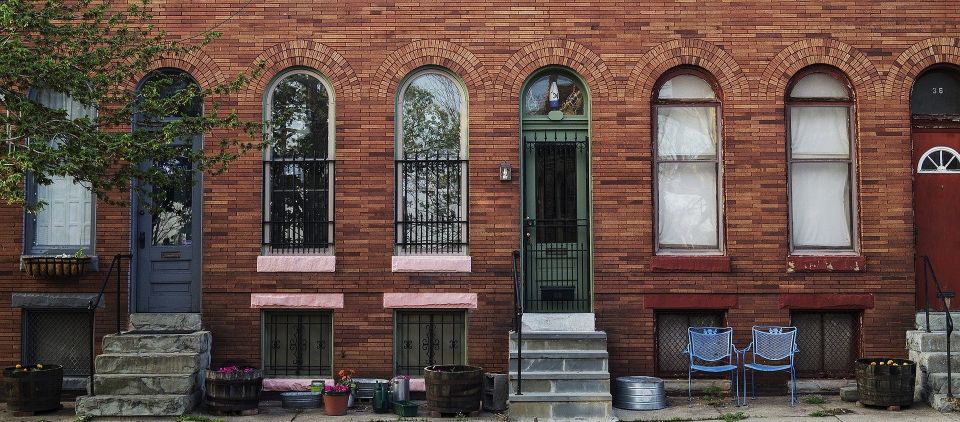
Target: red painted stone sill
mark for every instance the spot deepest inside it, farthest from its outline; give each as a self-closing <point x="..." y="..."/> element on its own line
<point x="690" y="301"/>
<point x="826" y="264"/>
<point x="690" y="263"/>
<point x="826" y="301"/>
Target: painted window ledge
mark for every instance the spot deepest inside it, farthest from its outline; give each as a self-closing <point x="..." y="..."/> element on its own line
<point x="826" y="264"/>
<point x="430" y="300"/>
<point x="296" y="264"/>
<point x="296" y="300"/>
<point x="431" y="264"/>
<point x="690" y="263"/>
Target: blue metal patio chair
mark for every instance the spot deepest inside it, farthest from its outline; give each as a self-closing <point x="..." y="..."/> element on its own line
<point x="708" y="348"/>
<point x="776" y="348"/>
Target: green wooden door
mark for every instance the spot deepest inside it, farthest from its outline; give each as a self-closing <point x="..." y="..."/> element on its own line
<point x="556" y="209"/>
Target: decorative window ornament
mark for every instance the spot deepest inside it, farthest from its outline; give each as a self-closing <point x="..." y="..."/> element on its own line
<point x="939" y="160"/>
<point x="554" y="96"/>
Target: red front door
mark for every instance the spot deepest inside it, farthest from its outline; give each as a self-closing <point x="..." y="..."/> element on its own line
<point x="936" y="202"/>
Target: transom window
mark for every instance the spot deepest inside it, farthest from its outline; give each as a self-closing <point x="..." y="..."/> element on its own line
<point x="298" y="168"/>
<point x="66" y="222"/>
<point x="425" y="338"/>
<point x="820" y="112"/>
<point x="939" y="160"/>
<point x="554" y="91"/>
<point x="687" y="163"/>
<point x="431" y="165"/>
<point x="936" y="92"/>
<point x="297" y="343"/>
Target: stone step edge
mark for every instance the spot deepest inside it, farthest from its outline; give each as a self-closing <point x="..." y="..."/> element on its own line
<point x="152" y="354"/>
<point x="134" y="333"/>
<point x="145" y="375"/>
<point x="541" y="375"/>
<point x="561" y="354"/>
<point x="560" y="335"/>
<point x="561" y="397"/>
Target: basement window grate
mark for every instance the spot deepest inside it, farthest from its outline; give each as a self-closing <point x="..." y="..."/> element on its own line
<point x="57" y="337"/>
<point x="828" y="343"/>
<point x="297" y="343"/>
<point x="672" y="339"/>
<point x="425" y="338"/>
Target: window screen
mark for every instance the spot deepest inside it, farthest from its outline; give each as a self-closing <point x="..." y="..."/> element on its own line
<point x="828" y="343"/>
<point x="672" y="337"/>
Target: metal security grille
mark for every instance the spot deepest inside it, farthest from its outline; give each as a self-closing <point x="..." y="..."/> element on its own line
<point x="297" y="343"/>
<point x="60" y="337"/>
<point x="828" y="343"/>
<point x="672" y="338"/>
<point x="431" y="203"/>
<point x="425" y="338"/>
<point x="297" y="208"/>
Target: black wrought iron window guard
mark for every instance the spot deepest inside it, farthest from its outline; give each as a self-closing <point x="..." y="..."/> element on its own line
<point x="297" y="343"/>
<point x="425" y="338"/>
<point x="298" y="216"/>
<point x="432" y="204"/>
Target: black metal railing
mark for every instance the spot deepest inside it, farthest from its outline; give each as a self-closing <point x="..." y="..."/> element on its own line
<point x="426" y="338"/>
<point x="297" y="216"/>
<point x="518" y="315"/>
<point x="944" y="297"/>
<point x="115" y="268"/>
<point x="297" y="343"/>
<point x="431" y="205"/>
<point x="557" y="266"/>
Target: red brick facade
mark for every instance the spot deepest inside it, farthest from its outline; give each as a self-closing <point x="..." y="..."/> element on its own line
<point x="620" y="49"/>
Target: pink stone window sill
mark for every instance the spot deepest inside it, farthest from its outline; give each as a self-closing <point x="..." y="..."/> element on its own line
<point x="296" y="264"/>
<point x="431" y="264"/>
<point x="296" y="300"/>
<point x="430" y="300"/>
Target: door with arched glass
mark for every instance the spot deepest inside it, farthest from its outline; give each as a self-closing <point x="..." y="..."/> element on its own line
<point x="555" y="143"/>
<point x="935" y="109"/>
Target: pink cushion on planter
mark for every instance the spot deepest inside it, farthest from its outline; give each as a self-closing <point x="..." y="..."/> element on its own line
<point x="289" y="384"/>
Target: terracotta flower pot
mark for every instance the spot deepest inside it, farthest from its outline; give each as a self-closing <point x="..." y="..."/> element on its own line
<point x="335" y="404"/>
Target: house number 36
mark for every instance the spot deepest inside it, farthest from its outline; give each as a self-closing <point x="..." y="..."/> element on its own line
<point x="936" y="91"/>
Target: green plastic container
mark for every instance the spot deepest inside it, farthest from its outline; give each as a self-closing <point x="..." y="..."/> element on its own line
<point x="405" y="409"/>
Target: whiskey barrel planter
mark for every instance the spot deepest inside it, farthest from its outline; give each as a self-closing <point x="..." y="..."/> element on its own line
<point x="238" y="391"/>
<point x="453" y="389"/>
<point x="886" y="385"/>
<point x="35" y="390"/>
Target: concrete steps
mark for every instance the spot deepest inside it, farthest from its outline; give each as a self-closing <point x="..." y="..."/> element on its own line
<point x="565" y="376"/>
<point x="156" y="369"/>
<point x="929" y="351"/>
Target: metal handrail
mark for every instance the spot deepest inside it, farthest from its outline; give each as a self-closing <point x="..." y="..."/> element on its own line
<point x="518" y="315"/>
<point x="927" y="273"/>
<point x="94" y="303"/>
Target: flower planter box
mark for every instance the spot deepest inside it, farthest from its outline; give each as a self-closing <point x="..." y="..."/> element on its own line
<point x="56" y="266"/>
<point x="236" y="391"/>
<point x="36" y="390"/>
<point x="886" y="385"/>
<point x="453" y="389"/>
<point x="405" y="409"/>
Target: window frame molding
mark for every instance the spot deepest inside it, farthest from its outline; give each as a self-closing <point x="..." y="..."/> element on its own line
<point x="852" y="169"/>
<point x="30" y="219"/>
<point x="267" y="156"/>
<point x="463" y="156"/>
<point x="717" y="104"/>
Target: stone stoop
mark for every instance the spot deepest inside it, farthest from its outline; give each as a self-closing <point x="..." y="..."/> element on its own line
<point x="565" y="376"/>
<point x="155" y="369"/>
<point x="929" y="351"/>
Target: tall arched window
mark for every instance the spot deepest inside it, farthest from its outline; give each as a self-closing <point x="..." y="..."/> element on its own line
<point x="820" y="130"/>
<point x="298" y="167"/>
<point x="431" y="164"/>
<point x="687" y="162"/>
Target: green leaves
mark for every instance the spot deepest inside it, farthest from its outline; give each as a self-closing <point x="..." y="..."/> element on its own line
<point x="68" y="106"/>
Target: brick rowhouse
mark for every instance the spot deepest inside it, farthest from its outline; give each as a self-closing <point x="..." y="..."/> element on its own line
<point x="620" y="50"/>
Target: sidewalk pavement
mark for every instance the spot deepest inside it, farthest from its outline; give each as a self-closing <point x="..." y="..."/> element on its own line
<point x="762" y="409"/>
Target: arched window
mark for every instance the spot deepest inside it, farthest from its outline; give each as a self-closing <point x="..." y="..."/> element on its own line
<point x="298" y="167"/>
<point x="820" y="130"/>
<point x="431" y="164"/>
<point x="936" y="92"/>
<point x="687" y="162"/>
<point x="939" y="160"/>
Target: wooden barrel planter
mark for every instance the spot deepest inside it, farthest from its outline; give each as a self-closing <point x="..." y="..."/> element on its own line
<point x="34" y="390"/>
<point x="453" y="389"/>
<point x="233" y="392"/>
<point x="888" y="384"/>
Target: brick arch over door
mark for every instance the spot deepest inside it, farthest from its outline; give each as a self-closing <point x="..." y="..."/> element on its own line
<point x="458" y="59"/>
<point x="597" y="76"/>
<point x="309" y="54"/>
<point x="857" y="67"/>
<point x="670" y="54"/>
<point x="916" y="59"/>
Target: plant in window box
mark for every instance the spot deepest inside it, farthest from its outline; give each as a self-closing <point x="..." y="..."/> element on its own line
<point x="233" y="388"/>
<point x="57" y="266"/>
<point x="32" y="388"/>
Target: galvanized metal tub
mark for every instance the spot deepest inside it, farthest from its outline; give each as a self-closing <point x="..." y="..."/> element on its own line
<point x="639" y="393"/>
<point x="365" y="387"/>
<point x="300" y="400"/>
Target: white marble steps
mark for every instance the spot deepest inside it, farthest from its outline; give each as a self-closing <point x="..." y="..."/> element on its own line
<point x="150" y="363"/>
<point x="560" y="340"/>
<point x="137" y="405"/>
<point x="938" y="320"/>
<point x="196" y="342"/>
<point x="936" y="341"/>
<point x="929" y="351"/>
<point x="142" y="384"/>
